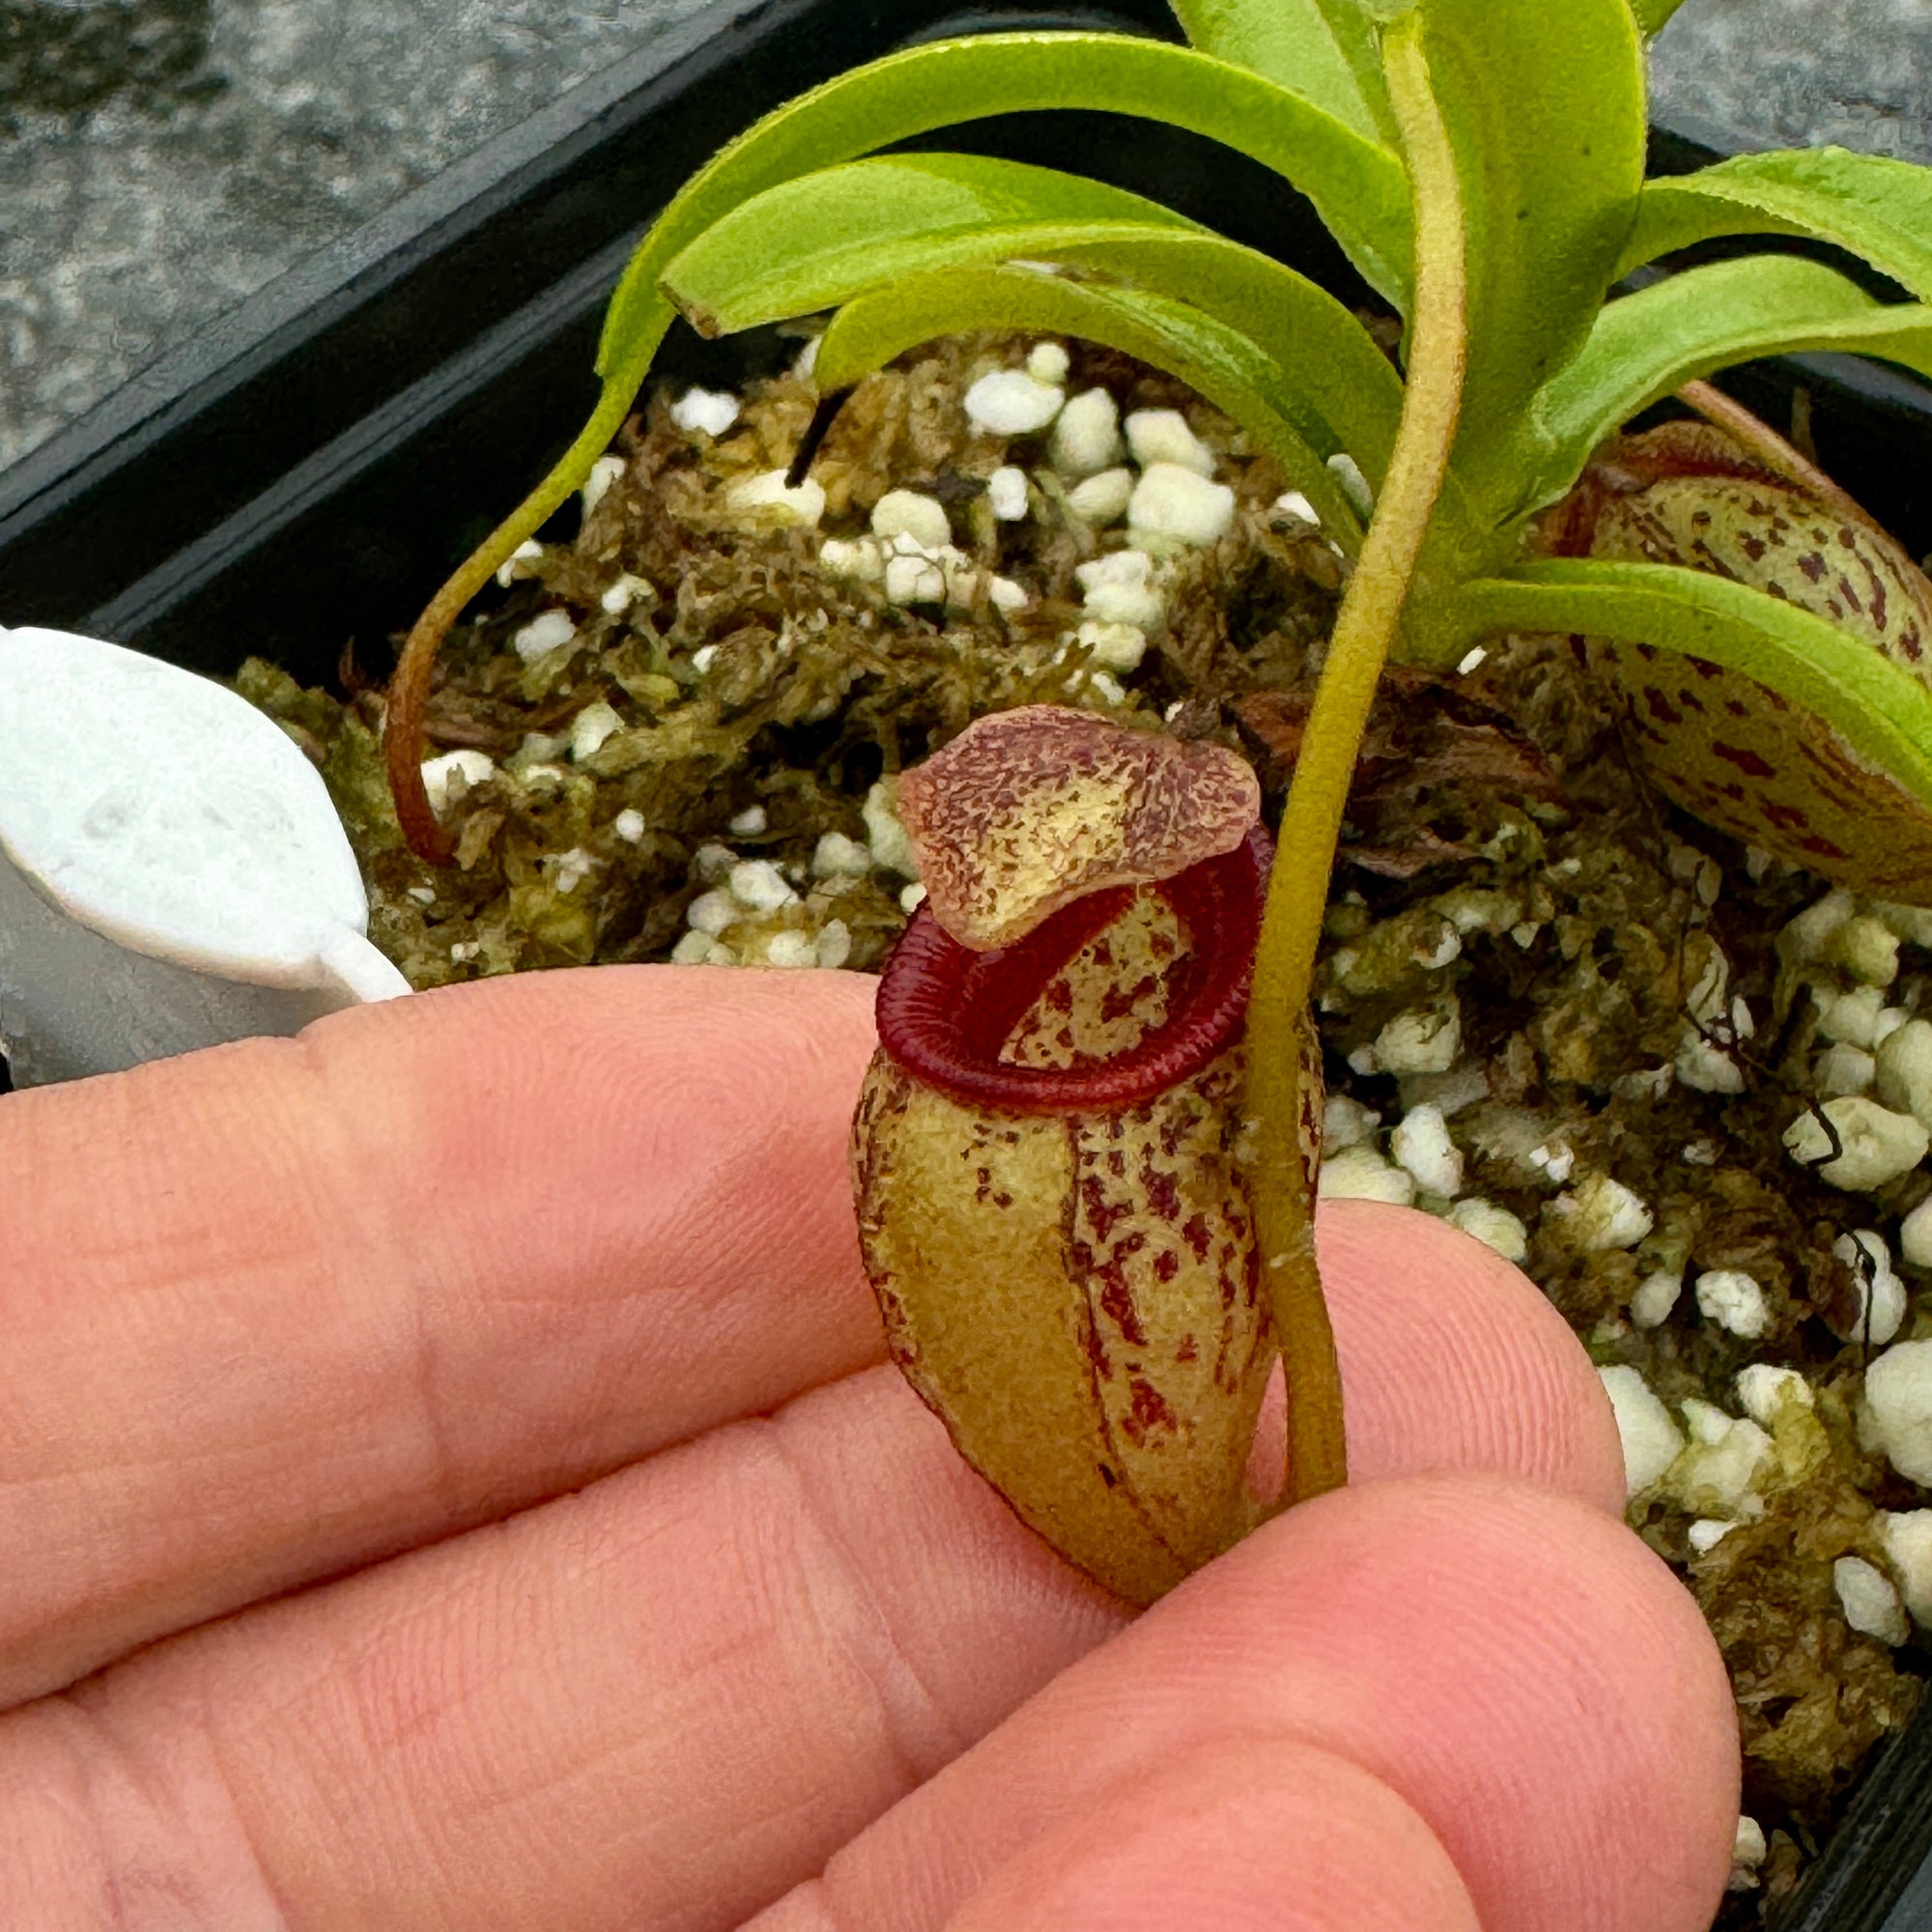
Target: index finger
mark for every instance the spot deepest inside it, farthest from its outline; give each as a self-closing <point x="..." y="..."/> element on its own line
<point x="284" y="1307"/>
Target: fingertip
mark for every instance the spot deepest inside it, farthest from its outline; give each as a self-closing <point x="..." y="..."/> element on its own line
<point x="1524" y="1671"/>
<point x="1246" y="1834"/>
<point x="1452" y="1358"/>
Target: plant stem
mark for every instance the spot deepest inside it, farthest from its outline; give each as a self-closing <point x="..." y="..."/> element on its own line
<point x="408" y="684"/>
<point x="1312" y="823"/>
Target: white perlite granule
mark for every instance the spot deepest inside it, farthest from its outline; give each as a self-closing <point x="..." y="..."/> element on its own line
<point x="1604" y="1214"/>
<point x="519" y="563"/>
<point x="1904" y="1070"/>
<point x="713" y="411"/>
<point x="1906" y="1537"/>
<point x="1856" y="1018"/>
<point x="1914" y="1235"/>
<point x="543" y="635"/>
<point x="1421" y="1039"/>
<point x="592" y="728"/>
<point x="910" y="513"/>
<point x="1748" y="1851"/>
<point x="791" y="949"/>
<point x="1175" y="505"/>
<point x="713" y="914"/>
<point x="1421" y="1144"/>
<point x="1655" y="1296"/>
<point x="1010" y="403"/>
<point x="1842" y="1071"/>
<point x="1881" y="1293"/>
<point x="1734" y="1301"/>
<point x="1102" y="499"/>
<point x="1870" y="1603"/>
<point x="891" y="849"/>
<point x="623" y="592"/>
<point x="1361" y="1173"/>
<point x="1048" y="363"/>
<point x="834" y="945"/>
<point x="1651" y="1441"/>
<point x="1087" y="437"/>
<point x="451" y="775"/>
<point x="1764" y="1389"/>
<point x="1006" y="494"/>
<point x="1899" y="1408"/>
<point x="1354" y="484"/>
<point x="1495" y="1227"/>
<point x="758" y="885"/>
<point x="604" y="473"/>
<point x="1118" y="588"/>
<point x="767" y="498"/>
<point x="860" y="561"/>
<point x="1163" y="435"/>
<point x="838" y="857"/>
<point x="1875" y="1145"/>
<point x="914" y="579"/>
<point x="1718" y="1474"/>
<point x="1346" y="1122"/>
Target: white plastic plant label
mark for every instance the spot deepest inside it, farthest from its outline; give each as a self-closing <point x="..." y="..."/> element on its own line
<point x="172" y="871"/>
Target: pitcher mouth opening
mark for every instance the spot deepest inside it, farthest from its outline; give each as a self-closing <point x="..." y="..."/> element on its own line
<point x="945" y="1012"/>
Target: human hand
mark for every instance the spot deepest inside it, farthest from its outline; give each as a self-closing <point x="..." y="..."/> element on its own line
<point x="447" y="1480"/>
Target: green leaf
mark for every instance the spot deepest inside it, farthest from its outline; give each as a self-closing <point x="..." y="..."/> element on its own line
<point x="1653" y="342"/>
<point x="1227" y="368"/>
<point x="1322" y="48"/>
<point x="1881" y="710"/>
<point x="1357" y="185"/>
<point x="804" y="246"/>
<point x="817" y="242"/>
<point x="1868" y="204"/>
<point x="1545" y="106"/>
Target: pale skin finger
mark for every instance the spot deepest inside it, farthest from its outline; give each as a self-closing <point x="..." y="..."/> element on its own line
<point x="279" y="1309"/>
<point x="1250" y="1835"/>
<point x="1443" y="1341"/>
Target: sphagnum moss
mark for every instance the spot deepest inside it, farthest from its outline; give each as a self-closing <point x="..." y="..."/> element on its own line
<point x="1617" y="1012"/>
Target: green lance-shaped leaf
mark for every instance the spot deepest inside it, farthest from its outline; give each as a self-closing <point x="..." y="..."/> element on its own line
<point x="1356" y="185"/>
<point x="1881" y="710"/>
<point x="1653" y="342"/>
<point x="1867" y="204"/>
<point x="1226" y="367"/>
<point x="1544" y="105"/>
<point x="1322" y="48"/>
<point x="795" y="248"/>
<point x="817" y="241"/>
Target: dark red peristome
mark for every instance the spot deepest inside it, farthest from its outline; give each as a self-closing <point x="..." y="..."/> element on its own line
<point x="945" y="1012"/>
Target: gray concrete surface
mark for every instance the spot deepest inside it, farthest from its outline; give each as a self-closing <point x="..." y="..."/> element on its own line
<point x="181" y="153"/>
<point x="1779" y="74"/>
<point x="161" y="159"/>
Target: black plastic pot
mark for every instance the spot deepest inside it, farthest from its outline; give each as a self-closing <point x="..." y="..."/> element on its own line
<point x="308" y="470"/>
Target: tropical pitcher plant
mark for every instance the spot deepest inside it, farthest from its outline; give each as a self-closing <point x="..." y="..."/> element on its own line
<point x="1084" y="1156"/>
